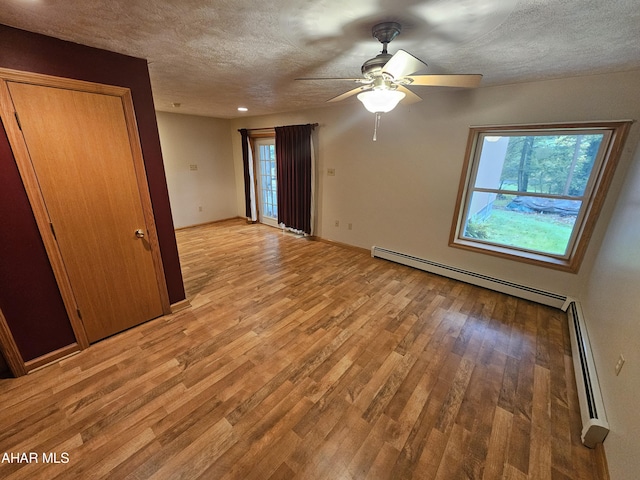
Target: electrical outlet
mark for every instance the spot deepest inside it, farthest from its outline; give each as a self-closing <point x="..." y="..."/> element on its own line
<point x="200" y="208"/>
<point x="337" y="223"/>
<point x="350" y="226"/>
<point x="619" y="364"/>
<point x="193" y="167"/>
<point x="331" y="172"/>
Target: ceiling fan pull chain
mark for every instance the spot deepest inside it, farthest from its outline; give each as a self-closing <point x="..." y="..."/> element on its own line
<point x="375" y="127"/>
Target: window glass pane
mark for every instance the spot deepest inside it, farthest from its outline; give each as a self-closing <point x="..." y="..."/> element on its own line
<point x="493" y="155"/>
<point x="537" y="224"/>
<point x="547" y="164"/>
<point x="268" y="182"/>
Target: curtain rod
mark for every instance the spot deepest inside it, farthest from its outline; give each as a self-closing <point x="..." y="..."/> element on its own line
<point x="313" y="125"/>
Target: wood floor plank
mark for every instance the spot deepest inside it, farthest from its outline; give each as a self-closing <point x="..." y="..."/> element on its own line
<point x="430" y="458"/>
<point x="368" y="449"/>
<point x="383" y="464"/>
<point x="306" y="360"/>
<point x="498" y="444"/>
<point x="540" y="463"/>
<point x="452" y="464"/>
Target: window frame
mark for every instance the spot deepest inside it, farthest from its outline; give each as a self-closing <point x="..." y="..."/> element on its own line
<point x="594" y="195"/>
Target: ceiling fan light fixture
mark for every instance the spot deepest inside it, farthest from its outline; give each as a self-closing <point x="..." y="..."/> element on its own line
<point x="380" y="100"/>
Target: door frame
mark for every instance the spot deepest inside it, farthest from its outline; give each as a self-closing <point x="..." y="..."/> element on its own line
<point x="36" y="199"/>
<point x="254" y="135"/>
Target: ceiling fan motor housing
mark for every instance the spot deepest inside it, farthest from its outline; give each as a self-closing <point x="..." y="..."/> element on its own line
<point x="372" y="67"/>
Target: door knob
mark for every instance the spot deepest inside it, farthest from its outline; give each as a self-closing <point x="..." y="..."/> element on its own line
<point x="140" y="233"/>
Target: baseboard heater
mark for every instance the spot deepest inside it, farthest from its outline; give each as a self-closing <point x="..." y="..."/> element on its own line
<point x="594" y="419"/>
<point x="492" y="283"/>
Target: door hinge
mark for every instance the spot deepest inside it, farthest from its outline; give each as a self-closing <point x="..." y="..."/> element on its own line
<point x="53" y="230"/>
<point x="18" y="120"/>
<point x="79" y="314"/>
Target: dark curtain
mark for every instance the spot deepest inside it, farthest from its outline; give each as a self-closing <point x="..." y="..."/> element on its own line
<point x="293" y="157"/>
<point x="247" y="177"/>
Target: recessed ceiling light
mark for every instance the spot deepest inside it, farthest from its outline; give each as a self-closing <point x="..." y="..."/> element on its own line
<point x="243" y="109"/>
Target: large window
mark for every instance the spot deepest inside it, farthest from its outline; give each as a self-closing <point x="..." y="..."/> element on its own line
<point x="533" y="192"/>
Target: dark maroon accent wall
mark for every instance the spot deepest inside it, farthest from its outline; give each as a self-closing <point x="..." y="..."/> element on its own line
<point x="26" y="51"/>
<point x="29" y="296"/>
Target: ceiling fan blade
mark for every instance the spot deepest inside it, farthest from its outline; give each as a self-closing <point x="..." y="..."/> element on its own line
<point x="463" y="80"/>
<point x="410" y="97"/>
<point x="402" y="64"/>
<point x="348" y="94"/>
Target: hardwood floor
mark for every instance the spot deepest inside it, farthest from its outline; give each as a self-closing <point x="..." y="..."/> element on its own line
<point x="305" y="360"/>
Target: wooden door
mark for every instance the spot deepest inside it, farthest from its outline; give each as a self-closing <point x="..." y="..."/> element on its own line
<point x="79" y="145"/>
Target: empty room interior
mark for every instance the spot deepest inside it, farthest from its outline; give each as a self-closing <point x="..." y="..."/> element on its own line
<point x="319" y="240"/>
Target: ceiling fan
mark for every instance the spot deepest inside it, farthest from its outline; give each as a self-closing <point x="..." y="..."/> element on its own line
<point x="386" y="77"/>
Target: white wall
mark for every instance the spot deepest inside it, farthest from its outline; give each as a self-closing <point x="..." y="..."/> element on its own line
<point x="611" y="306"/>
<point x="206" y="142"/>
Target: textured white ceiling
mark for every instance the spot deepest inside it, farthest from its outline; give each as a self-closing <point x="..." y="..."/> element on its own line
<point x="212" y="56"/>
